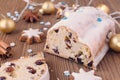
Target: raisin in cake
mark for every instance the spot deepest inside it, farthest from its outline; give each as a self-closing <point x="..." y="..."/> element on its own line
<point x="82" y="36"/>
<point x="26" y="68"/>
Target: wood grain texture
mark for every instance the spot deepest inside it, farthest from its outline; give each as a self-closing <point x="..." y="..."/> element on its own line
<point x="108" y="69"/>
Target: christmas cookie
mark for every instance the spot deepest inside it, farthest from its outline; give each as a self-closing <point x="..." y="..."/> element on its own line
<point x="31" y="36"/>
<point x="32" y="67"/>
<point x="82" y="36"/>
<point x="82" y="75"/>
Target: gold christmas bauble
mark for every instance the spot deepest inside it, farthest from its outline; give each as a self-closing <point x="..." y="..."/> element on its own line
<point x="104" y="8"/>
<point x="7" y="25"/>
<point x="48" y="7"/>
<point x="115" y="43"/>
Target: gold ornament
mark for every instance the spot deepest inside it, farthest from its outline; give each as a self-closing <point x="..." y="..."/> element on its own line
<point x="115" y="43"/>
<point x="48" y="7"/>
<point x="7" y="25"/>
<point x="103" y="7"/>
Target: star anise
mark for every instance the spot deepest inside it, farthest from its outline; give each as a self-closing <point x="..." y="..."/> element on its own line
<point x="31" y="16"/>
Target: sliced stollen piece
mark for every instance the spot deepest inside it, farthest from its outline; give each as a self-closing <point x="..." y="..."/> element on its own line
<point x="82" y="37"/>
<point x="32" y="67"/>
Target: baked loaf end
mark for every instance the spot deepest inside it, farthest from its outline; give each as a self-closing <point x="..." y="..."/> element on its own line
<point x="27" y="68"/>
<point x="82" y="37"/>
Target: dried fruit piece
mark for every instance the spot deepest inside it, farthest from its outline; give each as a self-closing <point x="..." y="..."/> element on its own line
<point x="12" y="64"/>
<point x="68" y="42"/>
<point x="39" y="62"/>
<point x="47" y="46"/>
<point x="79" y="60"/>
<point x="9" y="69"/>
<point x="2" y="78"/>
<point x="74" y="40"/>
<point x="70" y="35"/>
<point x="31" y="70"/>
<point x="90" y="64"/>
<point x="56" y="30"/>
<point x="56" y="50"/>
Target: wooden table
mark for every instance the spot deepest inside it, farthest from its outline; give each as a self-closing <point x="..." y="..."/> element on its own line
<point x="108" y="69"/>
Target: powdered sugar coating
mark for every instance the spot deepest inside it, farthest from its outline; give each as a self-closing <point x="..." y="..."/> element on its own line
<point x="31" y="32"/>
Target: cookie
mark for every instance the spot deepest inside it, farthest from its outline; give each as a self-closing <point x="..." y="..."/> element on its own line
<point x="31" y="36"/>
<point x="83" y="75"/>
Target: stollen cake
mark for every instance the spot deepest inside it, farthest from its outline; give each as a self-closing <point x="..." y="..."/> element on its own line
<point x="25" y="68"/>
<point x="82" y="36"/>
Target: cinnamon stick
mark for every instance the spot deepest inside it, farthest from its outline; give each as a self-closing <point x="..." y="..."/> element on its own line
<point x="5" y="46"/>
<point x="6" y="56"/>
<point x="3" y="51"/>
